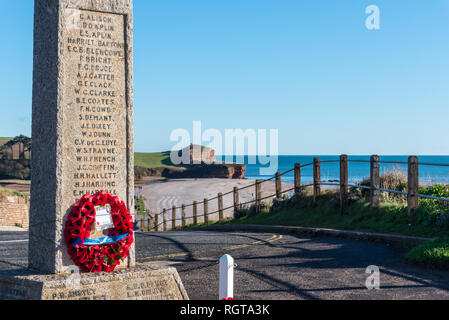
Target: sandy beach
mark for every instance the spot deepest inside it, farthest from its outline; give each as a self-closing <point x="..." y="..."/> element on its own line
<point x="165" y="194"/>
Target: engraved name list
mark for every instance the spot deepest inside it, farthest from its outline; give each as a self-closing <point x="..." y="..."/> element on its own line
<point x="95" y="47"/>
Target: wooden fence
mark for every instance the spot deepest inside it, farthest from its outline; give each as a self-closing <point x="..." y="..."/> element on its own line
<point x="160" y="220"/>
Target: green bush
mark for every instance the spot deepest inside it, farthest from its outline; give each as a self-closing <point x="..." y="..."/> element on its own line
<point x="434" y="212"/>
<point x="140" y="206"/>
<point x="15" y="169"/>
<point x="431" y="219"/>
<point x="392" y="179"/>
<point x="434" y="253"/>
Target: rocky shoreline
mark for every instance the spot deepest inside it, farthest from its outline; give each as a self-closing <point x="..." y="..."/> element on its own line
<point x="214" y="170"/>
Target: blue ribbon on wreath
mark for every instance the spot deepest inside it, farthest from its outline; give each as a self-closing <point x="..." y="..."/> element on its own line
<point x="101" y="241"/>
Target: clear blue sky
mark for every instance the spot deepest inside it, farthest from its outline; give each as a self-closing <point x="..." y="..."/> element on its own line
<point x="309" y="68"/>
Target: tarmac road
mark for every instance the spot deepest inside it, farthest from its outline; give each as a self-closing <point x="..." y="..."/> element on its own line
<point x="273" y="266"/>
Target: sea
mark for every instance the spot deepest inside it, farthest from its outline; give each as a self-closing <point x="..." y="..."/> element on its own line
<point x="330" y="171"/>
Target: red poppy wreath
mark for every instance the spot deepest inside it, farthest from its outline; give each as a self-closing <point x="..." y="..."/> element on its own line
<point x="97" y="255"/>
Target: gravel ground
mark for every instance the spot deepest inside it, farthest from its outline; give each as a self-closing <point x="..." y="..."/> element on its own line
<point x="291" y="267"/>
<point x="273" y="266"/>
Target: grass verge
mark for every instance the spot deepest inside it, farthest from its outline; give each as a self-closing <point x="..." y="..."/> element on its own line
<point x="152" y="160"/>
<point x="434" y="253"/>
<point x="389" y="217"/>
<point x="430" y="220"/>
<point x="4" y="192"/>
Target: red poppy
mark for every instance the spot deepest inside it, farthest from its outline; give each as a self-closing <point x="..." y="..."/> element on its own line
<point x="104" y="258"/>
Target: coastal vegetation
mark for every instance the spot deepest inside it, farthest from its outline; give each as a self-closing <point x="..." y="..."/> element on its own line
<point x="140" y="207"/>
<point x="15" y="169"/>
<point x="435" y="253"/>
<point x="389" y="217"/>
<point x="152" y="160"/>
<point x="430" y="220"/>
<point x="159" y="165"/>
<point x="19" y="168"/>
<point x="15" y="158"/>
<point x="15" y="148"/>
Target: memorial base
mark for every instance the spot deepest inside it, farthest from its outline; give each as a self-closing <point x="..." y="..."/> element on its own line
<point x="143" y="282"/>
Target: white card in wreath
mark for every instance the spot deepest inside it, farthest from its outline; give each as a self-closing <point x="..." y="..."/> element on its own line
<point x="103" y="218"/>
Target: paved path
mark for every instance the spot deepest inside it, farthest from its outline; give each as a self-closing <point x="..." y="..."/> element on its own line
<point x="13" y="250"/>
<point x="274" y="266"/>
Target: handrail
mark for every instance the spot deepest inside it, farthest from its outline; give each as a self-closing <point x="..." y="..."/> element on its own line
<point x="434" y="164"/>
<point x="393" y="162"/>
<point x="358" y="160"/>
<point x="240" y="189"/>
<point x="328" y="161"/>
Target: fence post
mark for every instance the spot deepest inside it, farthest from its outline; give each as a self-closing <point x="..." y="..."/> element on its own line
<point x="316" y="178"/>
<point x="236" y="202"/>
<point x="344" y="181"/>
<point x="226" y="277"/>
<point x="297" y="179"/>
<point x="206" y="211"/>
<point x="148" y="224"/>
<point x="195" y="213"/>
<point x="413" y="184"/>
<point x="183" y="215"/>
<point x="156" y="222"/>
<point x="278" y="185"/>
<point x="375" y="181"/>
<point x="258" y="194"/>
<point x="173" y="217"/>
<point x="164" y="217"/>
<point x="151" y="223"/>
<point x="220" y="207"/>
<point x="142" y="225"/>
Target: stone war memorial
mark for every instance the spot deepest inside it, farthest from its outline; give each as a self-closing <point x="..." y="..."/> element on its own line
<point x="82" y="161"/>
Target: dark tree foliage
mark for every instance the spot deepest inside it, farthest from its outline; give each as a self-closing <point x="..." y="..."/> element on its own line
<point x="11" y="168"/>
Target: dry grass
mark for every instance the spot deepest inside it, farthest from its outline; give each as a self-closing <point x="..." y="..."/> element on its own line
<point x="4" y="192"/>
<point x="392" y="179"/>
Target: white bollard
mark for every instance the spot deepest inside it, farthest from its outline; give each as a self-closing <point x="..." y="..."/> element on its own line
<point x="226" y="277"/>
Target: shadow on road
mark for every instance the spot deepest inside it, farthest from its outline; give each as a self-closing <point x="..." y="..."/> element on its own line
<point x="181" y="246"/>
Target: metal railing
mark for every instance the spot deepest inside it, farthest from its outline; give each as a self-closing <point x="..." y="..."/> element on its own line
<point x="161" y="219"/>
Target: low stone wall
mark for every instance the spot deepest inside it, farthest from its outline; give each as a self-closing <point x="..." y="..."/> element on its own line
<point x="14" y="211"/>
